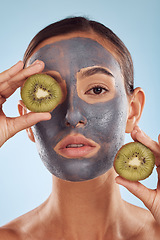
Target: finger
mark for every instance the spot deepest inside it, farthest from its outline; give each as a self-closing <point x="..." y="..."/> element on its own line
<point x="8" y="87"/>
<point x="146" y="195"/>
<point x="159" y="139"/>
<point x="2" y="100"/>
<point x="9" y="73"/>
<point x="158" y="173"/>
<point x="20" y="123"/>
<point x="133" y="134"/>
<point x="140" y="136"/>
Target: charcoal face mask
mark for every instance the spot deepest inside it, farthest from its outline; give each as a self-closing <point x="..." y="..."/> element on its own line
<point x="105" y="121"/>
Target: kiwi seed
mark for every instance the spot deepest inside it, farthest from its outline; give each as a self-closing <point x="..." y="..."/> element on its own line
<point x="41" y="93"/>
<point x="134" y="161"/>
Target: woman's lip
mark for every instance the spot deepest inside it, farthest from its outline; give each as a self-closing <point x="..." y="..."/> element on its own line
<point x="75" y="139"/>
<point x="75" y="146"/>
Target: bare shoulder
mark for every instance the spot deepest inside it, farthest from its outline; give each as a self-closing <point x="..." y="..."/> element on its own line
<point x="8" y="234"/>
<point x="13" y="230"/>
<point x="26" y="227"/>
<point x="20" y="228"/>
<point x="146" y="228"/>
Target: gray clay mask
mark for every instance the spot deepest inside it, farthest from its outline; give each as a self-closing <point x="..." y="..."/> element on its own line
<point x="102" y="122"/>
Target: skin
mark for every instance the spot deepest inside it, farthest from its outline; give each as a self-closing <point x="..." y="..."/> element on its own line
<point x="106" y="111"/>
<point x="92" y="209"/>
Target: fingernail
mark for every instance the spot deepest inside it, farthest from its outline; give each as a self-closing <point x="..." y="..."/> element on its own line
<point x="140" y="130"/>
<point x="136" y="128"/>
<point x="116" y="179"/>
<point x="37" y="62"/>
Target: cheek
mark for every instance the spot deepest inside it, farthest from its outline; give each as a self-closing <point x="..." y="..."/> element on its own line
<point x="49" y="130"/>
<point x="107" y="121"/>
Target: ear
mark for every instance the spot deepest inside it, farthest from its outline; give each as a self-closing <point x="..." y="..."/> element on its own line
<point x="22" y="111"/>
<point x="136" y="104"/>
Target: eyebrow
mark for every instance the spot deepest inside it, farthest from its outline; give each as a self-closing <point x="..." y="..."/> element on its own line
<point x="96" y="70"/>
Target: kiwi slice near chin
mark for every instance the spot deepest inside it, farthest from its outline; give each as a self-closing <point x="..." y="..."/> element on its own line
<point x="134" y="161"/>
<point x="41" y="93"/>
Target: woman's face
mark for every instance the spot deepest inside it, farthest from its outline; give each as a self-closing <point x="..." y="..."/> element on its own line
<point x="87" y="129"/>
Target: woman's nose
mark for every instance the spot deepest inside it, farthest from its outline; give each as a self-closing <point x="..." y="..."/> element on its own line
<point x="74" y="118"/>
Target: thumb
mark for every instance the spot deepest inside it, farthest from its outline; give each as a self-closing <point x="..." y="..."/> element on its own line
<point x="147" y="196"/>
<point x="25" y="121"/>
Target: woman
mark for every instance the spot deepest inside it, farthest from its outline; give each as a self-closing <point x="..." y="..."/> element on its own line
<point x="78" y="140"/>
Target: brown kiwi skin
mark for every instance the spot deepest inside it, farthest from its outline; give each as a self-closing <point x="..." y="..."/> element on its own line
<point x="123" y="176"/>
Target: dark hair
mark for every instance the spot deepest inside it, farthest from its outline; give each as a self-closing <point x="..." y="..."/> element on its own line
<point x="82" y="24"/>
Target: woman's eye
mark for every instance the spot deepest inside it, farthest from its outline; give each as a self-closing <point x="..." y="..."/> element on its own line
<point x="97" y="90"/>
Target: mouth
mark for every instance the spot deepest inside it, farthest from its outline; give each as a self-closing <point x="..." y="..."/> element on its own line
<point x="76" y="146"/>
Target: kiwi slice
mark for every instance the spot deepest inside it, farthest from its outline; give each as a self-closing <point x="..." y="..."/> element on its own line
<point x="134" y="161"/>
<point x="41" y="93"/>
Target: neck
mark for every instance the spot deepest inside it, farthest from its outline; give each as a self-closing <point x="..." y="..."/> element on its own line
<point x="88" y="208"/>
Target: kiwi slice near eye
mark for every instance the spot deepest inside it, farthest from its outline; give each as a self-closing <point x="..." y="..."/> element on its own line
<point x="134" y="161"/>
<point x="41" y="93"/>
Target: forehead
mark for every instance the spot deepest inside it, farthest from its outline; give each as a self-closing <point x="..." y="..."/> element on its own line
<point x="75" y="53"/>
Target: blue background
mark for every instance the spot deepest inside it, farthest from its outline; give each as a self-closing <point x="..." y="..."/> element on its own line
<point x="24" y="181"/>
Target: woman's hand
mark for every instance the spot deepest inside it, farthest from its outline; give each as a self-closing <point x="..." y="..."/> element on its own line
<point x="150" y="198"/>
<point x="10" y="80"/>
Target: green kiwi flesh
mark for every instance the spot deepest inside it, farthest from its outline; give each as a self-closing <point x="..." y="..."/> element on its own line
<point x="134" y="161"/>
<point x="41" y="93"/>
